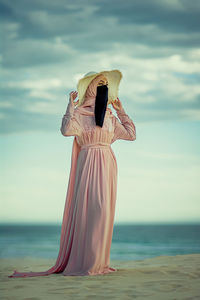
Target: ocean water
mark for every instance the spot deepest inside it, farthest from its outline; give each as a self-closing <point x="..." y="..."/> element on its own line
<point x="130" y="242"/>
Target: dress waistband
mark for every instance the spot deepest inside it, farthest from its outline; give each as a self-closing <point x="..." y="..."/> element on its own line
<point x="95" y="145"/>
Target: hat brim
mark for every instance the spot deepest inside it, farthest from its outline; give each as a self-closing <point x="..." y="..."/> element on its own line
<point x="114" y="77"/>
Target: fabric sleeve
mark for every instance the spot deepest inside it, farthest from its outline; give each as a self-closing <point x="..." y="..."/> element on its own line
<point x="124" y="130"/>
<point x="70" y="125"/>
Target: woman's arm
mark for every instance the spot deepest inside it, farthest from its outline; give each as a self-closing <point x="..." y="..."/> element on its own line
<point x="70" y="125"/>
<point x="125" y="130"/>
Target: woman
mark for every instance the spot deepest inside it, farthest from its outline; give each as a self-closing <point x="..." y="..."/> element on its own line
<point x="88" y="218"/>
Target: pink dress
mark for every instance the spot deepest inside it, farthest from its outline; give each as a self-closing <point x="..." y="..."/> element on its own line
<point x="88" y="218"/>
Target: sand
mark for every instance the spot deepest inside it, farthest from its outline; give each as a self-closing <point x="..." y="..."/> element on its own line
<point x="162" y="277"/>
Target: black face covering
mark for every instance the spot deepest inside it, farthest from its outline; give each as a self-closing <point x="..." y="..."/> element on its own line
<point x="101" y="104"/>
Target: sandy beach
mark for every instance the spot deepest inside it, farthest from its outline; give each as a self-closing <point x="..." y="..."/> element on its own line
<point x="158" y="278"/>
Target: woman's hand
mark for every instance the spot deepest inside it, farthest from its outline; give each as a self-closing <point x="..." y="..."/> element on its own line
<point x="116" y="104"/>
<point x="72" y="97"/>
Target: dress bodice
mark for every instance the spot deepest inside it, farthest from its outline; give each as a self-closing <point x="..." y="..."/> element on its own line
<point x="84" y="127"/>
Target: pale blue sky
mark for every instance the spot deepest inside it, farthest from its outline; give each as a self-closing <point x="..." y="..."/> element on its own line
<point x="48" y="46"/>
<point x="157" y="174"/>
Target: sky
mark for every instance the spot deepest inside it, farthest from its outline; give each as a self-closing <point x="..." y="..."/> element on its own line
<point x="47" y="47"/>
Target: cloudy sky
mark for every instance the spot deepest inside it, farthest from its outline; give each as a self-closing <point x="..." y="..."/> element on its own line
<point x="46" y="47"/>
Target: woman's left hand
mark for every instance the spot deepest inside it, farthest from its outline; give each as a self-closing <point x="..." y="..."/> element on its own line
<point x="116" y="104"/>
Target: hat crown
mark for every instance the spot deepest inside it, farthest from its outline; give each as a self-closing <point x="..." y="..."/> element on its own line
<point x="90" y="73"/>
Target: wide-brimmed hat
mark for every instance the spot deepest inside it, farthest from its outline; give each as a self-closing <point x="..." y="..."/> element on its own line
<point x="113" y="77"/>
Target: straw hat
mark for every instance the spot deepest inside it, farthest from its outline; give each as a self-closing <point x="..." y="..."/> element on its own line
<point x="113" y="77"/>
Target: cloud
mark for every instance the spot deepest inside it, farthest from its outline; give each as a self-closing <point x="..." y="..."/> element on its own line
<point x="175" y="16"/>
<point x="48" y="45"/>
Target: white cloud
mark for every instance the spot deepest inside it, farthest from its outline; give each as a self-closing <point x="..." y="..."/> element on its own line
<point x="42" y="108"/>
<point x="191" y="114"/>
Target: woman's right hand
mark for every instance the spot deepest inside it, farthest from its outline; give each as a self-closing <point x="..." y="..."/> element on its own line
<point x="72" y="97"/>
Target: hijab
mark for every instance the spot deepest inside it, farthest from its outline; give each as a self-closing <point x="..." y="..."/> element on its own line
<point x="88" y="106"/>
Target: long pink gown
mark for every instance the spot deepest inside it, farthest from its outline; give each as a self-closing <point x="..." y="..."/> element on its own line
<point x="88" y="218"/>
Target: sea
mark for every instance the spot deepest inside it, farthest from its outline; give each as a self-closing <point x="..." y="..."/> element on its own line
<point x="129" y="242"/>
